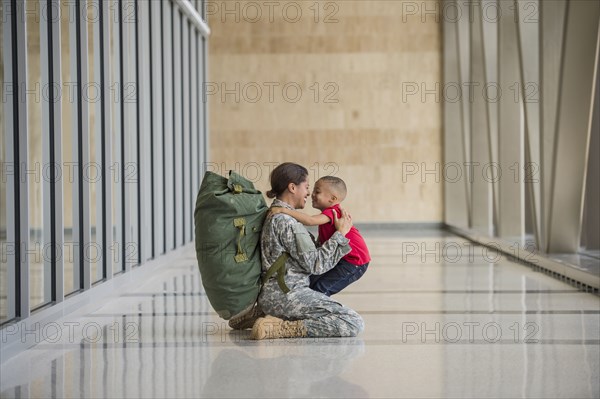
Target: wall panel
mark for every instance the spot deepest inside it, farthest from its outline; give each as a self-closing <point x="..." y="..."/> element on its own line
<point x="547" y="62"/>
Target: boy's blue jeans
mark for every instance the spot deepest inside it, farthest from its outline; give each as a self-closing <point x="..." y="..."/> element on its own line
<point x="338" y="278"/>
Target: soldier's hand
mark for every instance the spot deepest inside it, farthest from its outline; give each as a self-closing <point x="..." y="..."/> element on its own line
<point x="343" y="224"/>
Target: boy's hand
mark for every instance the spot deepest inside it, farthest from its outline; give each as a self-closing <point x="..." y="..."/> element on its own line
<point x="276" y="209"/>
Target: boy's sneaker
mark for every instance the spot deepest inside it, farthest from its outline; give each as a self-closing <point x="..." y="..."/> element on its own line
<point x="244" y="320"/>
<point x="270" y="327"/>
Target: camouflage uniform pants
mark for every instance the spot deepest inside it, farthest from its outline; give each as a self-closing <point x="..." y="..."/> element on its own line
<point x="322" y="316"/>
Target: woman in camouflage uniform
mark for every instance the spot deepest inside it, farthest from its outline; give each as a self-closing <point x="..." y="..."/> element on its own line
<point x="301" y="312"/>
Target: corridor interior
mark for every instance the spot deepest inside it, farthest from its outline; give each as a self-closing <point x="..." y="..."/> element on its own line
<point x="444" y="318"/>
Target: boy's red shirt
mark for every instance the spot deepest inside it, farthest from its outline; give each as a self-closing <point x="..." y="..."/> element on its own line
<point x="360" y="253"/>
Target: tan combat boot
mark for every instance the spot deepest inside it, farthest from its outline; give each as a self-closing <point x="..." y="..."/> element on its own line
<point x="270" y="327"/>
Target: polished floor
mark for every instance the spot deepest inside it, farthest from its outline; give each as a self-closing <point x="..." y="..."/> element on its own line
<point x="443" y="319"/>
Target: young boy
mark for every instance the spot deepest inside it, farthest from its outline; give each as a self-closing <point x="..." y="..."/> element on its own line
<point x="327" y="195"/>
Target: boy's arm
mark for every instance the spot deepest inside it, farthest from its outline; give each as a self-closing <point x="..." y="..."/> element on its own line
<point x="306" y="220"/>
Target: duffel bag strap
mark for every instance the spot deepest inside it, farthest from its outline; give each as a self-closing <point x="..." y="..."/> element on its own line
<point x="238" y="184"/>
<point x="241" y="255"/>
<point x="279" y="268"/>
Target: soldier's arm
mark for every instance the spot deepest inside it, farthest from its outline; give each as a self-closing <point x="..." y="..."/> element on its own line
<point x="297" y="242"/>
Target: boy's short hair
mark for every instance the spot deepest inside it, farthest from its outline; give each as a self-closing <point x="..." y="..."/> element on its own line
<point x="337" y="185"/>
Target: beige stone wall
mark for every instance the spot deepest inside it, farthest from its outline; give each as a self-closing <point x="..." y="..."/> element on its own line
<point x="351" y="62"/>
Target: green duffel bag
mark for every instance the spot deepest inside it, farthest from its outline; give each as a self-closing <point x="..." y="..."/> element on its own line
<point x="228" y="220"/>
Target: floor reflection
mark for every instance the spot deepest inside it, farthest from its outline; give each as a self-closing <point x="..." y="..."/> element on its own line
<point x="285" y="370"/>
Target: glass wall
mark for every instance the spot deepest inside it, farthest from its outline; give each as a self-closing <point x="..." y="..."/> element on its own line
<point x="169" y="124"/>
<point x="40" y="287"/>
<point x="68" y="47"/>
<point x="92" y="173"/>
<point x="119" y="68"/>
<point x="131" y="98"/>
<point x="158" y="103"/>
<point x="116" y="101"/>
<point x="3" y="188"/>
